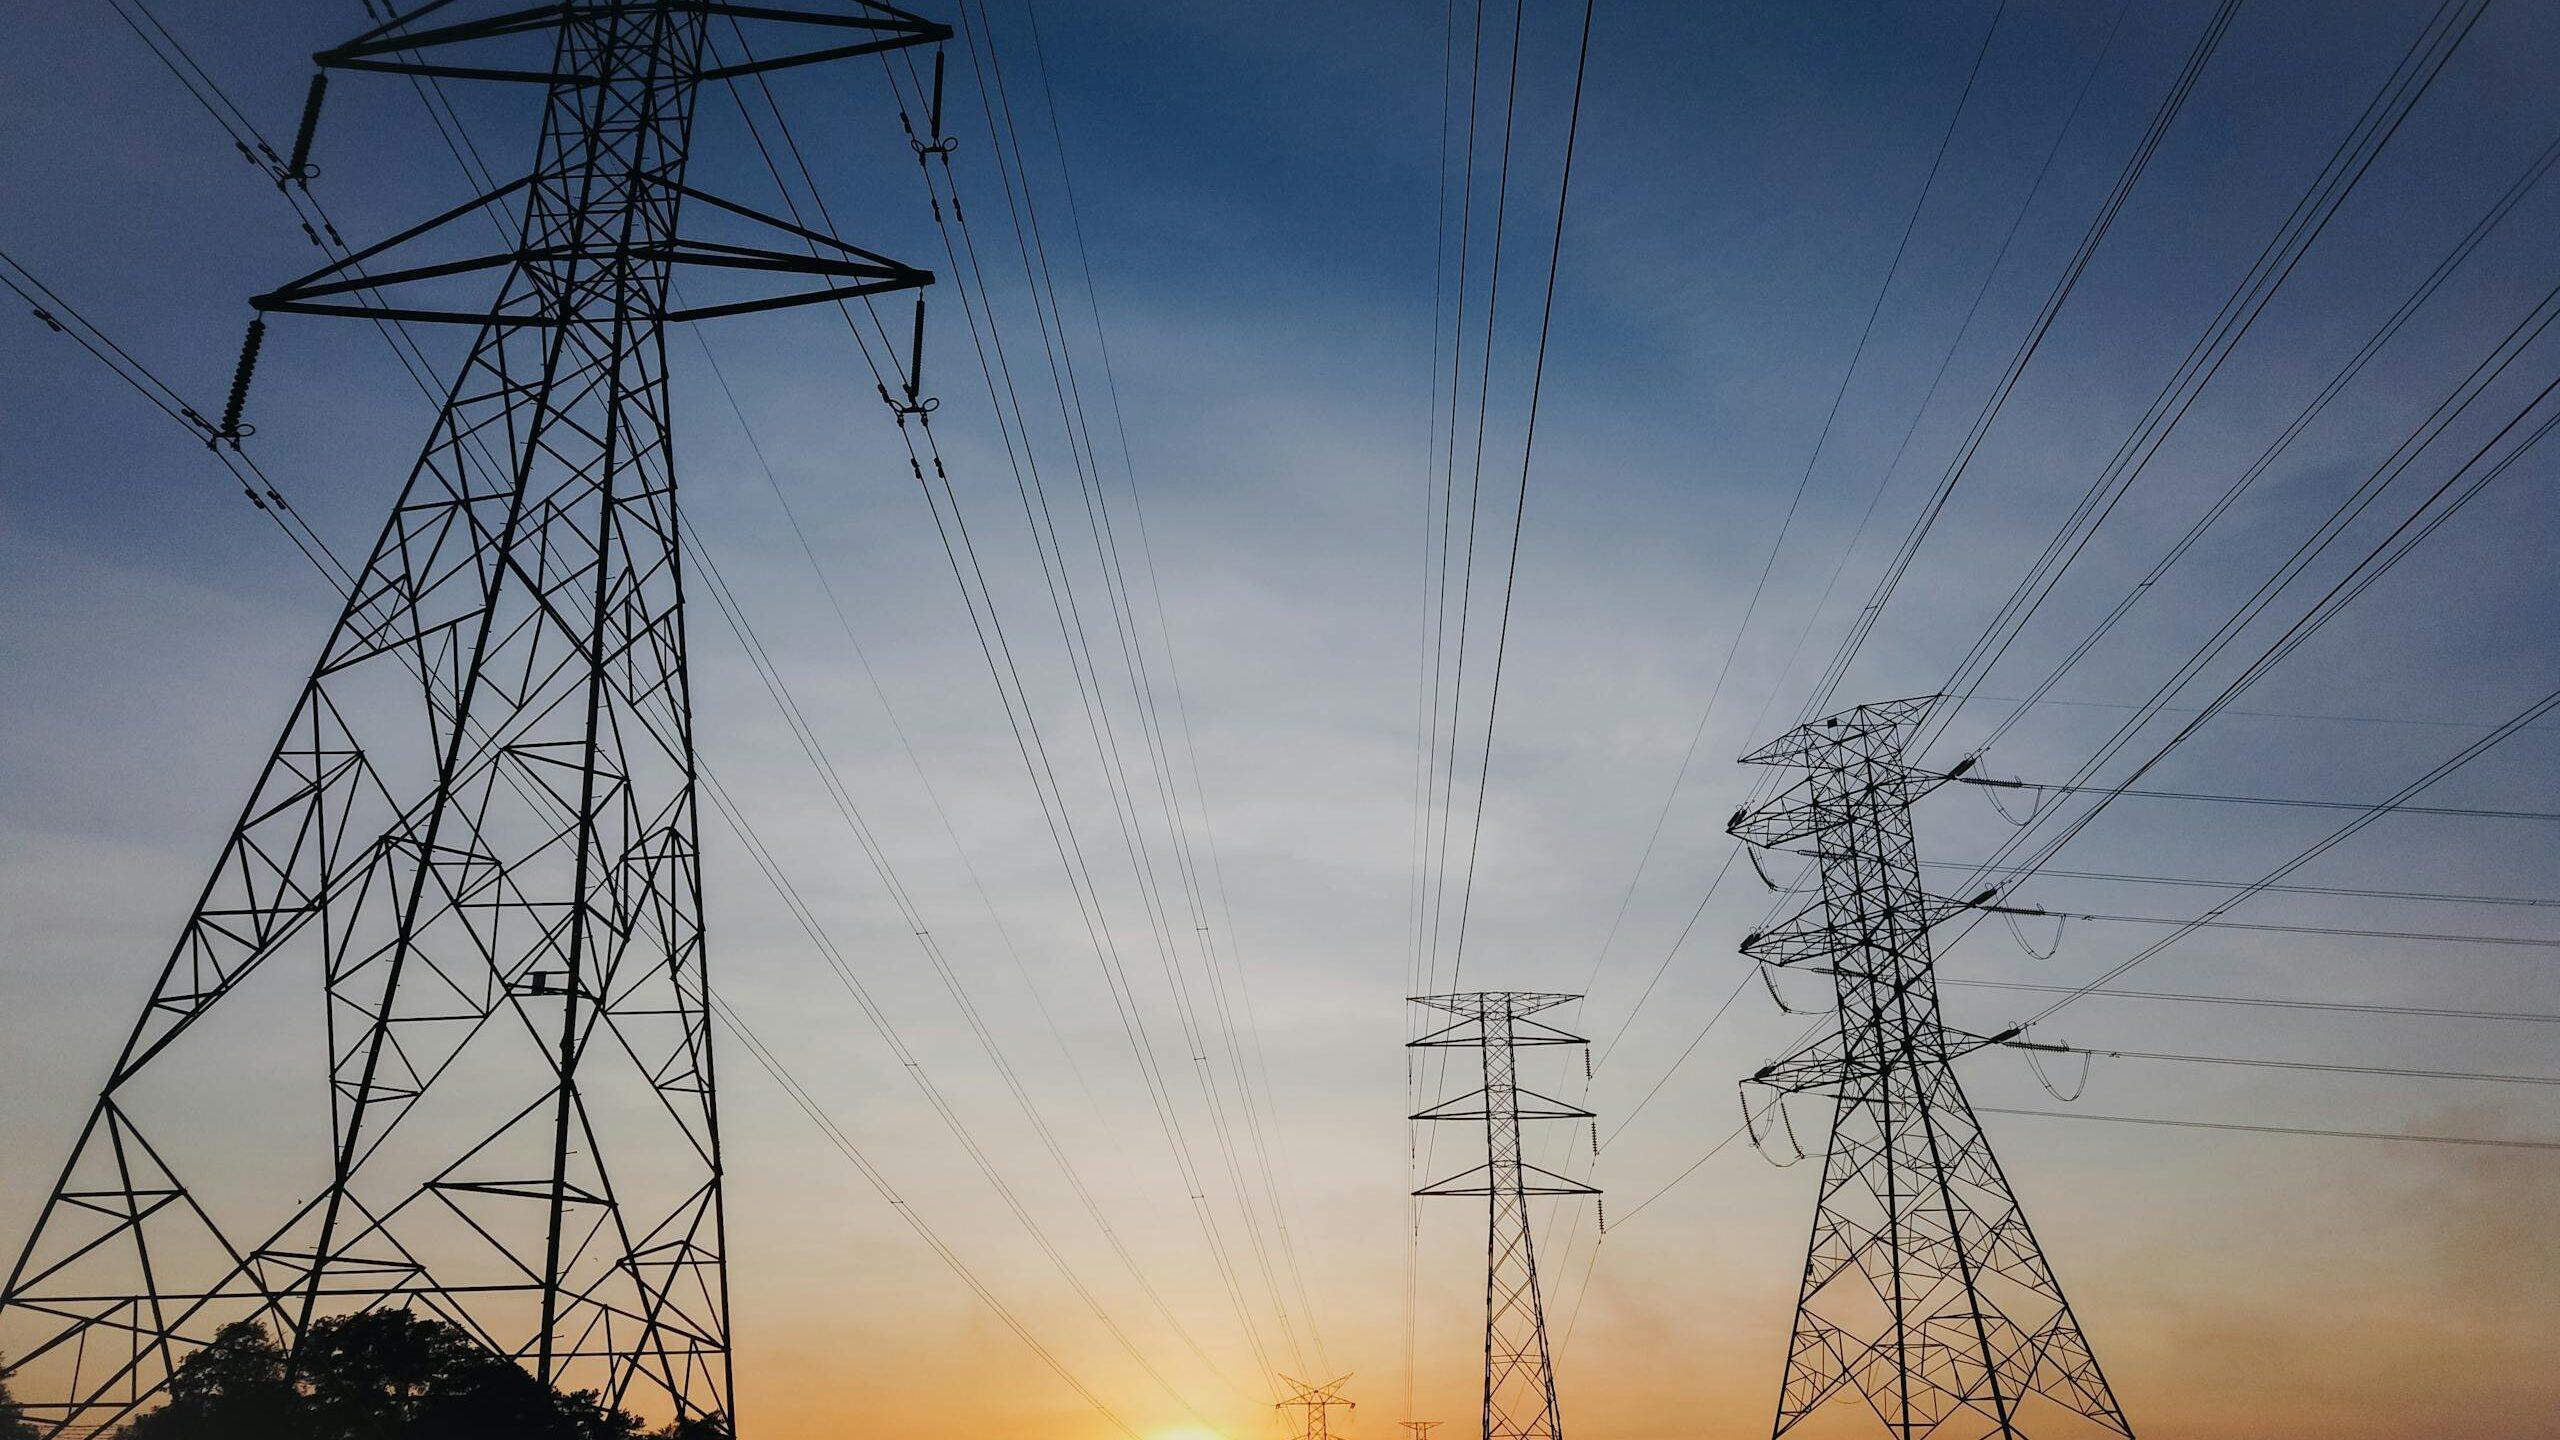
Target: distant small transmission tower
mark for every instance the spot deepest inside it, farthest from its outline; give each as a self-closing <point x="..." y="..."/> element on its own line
<point x="1319" y="1403"/>
<point x="1519" y="1371"/>
<point x="1924" y="1296"/>
<point x="477" y="838"/>
<point x="1421" y="1428"/>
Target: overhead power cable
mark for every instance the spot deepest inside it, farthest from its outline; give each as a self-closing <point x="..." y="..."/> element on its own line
<point x="2421" y="522"/>
<point x="2083" y="254"/>
<point x="1070" y="612"/>
<point x="2437" y="937"/>
<point x="1262" y="1114"/>
<point x="1191" y="875"/>
<point x="2428" y="515"/>
<point x="2244" y="712"/>
<point x="829" y="781"/>
<point x="2282" y="443"/>
<point x="2190" y="998"/>
<point x="835" y="1135"/>
<point x="961" y="551"/>
<point x="58" y="315"/>
<point x="2474" y="1140"/>
<point x="2130" y="792"/>
<point x="2034" y="189"/>
<point x="1442" y="660"/>
<point x="2259" y="1063"/>
<point x="1426" y="721"/>
<point x="2360" y="892"/>
<point x="1813" y="458"/>
<point x="2467" y="754"/>
<point x="1528" y="450"/>
<point x="1946" y="361"/>
<point x="2275" y="264"/>
<point x="2136" y="164"/>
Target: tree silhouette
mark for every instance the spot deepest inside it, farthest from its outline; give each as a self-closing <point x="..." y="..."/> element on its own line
<point x="378" y="1375"/>
<point x="13" y="1421"/>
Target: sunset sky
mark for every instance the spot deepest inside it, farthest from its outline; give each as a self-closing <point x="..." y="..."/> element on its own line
<point x="1255" y="191"/>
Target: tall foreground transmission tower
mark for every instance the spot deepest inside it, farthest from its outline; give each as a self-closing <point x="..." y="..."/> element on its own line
<point x="1924" y="1295"/>
<point x="477" y="835"/>
<point x="1519" y="1370"/>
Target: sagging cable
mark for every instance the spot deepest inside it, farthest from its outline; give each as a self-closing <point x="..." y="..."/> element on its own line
<point x="2031" y="1049"/>
<point x="1752" y="854"/>
<point x="2035" y="808"/>
<point x="1759" y="1139"/>
<point x="1771" y="983"/>
<point x="2019" y="934"/>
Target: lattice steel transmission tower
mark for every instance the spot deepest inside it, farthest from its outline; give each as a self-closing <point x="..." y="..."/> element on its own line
<point x="1519" y="1371"/>
<point x="477" y="837"/>
<point x="1924" y="1294"/>
<point x="1319" y="1403"/>
<point x="1420" y="1429"/>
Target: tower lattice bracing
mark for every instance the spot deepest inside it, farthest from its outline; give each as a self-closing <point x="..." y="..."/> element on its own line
<point x="1316" y="1404"/>
<point x="1925" y="1296"/>
<point x="1519" y="1369"/>
<point x="477" y="836"/>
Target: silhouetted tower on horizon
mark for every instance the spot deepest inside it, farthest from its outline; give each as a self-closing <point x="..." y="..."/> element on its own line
<point x="478" y="834"/>
<point x="1319" y="1403"/>
<point x="1421" y="1429"/>
<point x="1924" y="1294"/>
<point x="1519" y="1370"/>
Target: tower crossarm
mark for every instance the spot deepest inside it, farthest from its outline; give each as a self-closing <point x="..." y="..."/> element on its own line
<point x="1818" y="931"/>
<point x="1830" y="1065"/>
<point x="470" y="49"/>
<point x="1480" y="1104"/>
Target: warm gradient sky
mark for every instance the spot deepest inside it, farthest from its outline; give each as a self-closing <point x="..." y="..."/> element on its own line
<point x="1256" y="187"/>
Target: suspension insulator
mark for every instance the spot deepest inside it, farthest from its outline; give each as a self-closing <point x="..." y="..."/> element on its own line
<point x="299" y="168"/>
<point x="231" y="429"/>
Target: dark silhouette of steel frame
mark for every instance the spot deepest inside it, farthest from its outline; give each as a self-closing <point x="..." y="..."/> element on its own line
<point x="479" y="828"/>
<point x="1319" y="1403"/>
<point x="1519" y="1368"/>
<point x="1924" y="1291"/>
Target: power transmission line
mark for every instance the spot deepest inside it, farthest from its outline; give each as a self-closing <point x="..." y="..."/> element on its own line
<point x="2323" y="1067"/>
<point x="2134" y="792"/>
<point x="2358" y="892"/>
<point x="2472" y="1140"/>
<point x="2280" y="1003"/>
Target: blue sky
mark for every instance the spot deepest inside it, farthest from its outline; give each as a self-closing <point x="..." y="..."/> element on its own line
<point x="1256" y="188"/>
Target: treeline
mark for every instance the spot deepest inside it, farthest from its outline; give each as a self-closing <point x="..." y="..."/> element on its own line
<point x="13" y="1421"/>
<point x="380" y="1375"/>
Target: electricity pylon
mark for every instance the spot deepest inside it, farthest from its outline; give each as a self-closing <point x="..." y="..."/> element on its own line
<point x="1421" y="1428"/>
<point x="1519" y="1371"/>
<point x="478" y="834"/>
<point x="1318" y="1401"/>
<point x="1924" y="1293"/>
